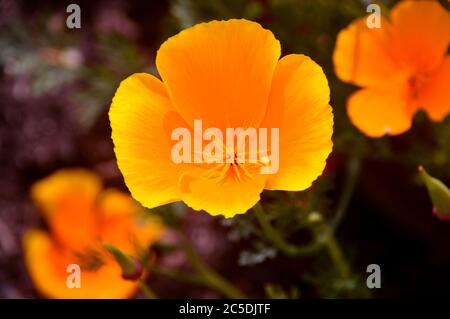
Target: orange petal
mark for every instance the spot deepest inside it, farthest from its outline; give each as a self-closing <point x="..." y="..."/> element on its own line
<point x="298" y="105"/>
<point x="67" y="200"/>
<point x="142" y="118"/>
<point x="227" y="197"/>
<point x="435" y="95"/>
<point x="66" y="184"/>
<point x="363" y="56"/>
<point x="422" y="33"/>
<point x="125" y="225"/>
<point x="112" y="203"/>
<point x="379" y="112"/>
<point x="47" y="267"/>
<point x="220" y="72"/>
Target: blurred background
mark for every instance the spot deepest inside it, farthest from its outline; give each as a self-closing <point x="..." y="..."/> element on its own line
<point x="56" y="85"/>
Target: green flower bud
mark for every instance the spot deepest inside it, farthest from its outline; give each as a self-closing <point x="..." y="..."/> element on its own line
<point x="131" y="267"/>
<point x="439" y="193"/>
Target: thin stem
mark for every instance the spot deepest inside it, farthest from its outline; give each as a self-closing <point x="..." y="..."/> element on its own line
<point x="146" y="290"/>
<point x="335" y="252"/>
<point x="210" y="277"/>
<point x="324" y="237"/>
<point x="353" y="170"/>
<point x="200" y="280"/>
<point x="204" y="276"/>
<point x="178" y="275"/>
<point x="275" y="237"/>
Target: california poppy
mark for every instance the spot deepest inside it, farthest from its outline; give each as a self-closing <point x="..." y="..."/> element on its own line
<point x="403" y="67"/>
<point x="228" y="75"/>
<point x="81" y="217"/>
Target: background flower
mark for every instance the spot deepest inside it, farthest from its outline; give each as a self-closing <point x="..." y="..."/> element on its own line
<point x="402" y="66"/>
<point x="81" y="218"/>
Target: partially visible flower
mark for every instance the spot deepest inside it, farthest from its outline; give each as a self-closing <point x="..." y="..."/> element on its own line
<point x="228" y="75"/>
<point x="403" y="67"/>
<point x="81" y="218"/>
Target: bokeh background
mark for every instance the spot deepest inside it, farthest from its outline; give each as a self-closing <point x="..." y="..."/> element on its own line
<point x="56" y="86"/>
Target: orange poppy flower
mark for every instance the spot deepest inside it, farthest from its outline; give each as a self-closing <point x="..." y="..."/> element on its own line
<point x="228" y="75"/>
<point x="403" y="66"/>
<point x="81" y="217"/>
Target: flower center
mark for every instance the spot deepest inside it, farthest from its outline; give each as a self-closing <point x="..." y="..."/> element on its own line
<point x="90" y="260"/>
<point x="235" y="168"/>
<point x="416" y="83"/>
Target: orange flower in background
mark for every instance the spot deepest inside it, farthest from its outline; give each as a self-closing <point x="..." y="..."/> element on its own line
<point x="227" y="74"/>
<point x="81" y="217"/>
<point x="403" y="67"/>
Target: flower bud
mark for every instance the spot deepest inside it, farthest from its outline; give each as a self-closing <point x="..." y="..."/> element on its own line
<point x="439" y="193"/>
<point x="131" y="267"/>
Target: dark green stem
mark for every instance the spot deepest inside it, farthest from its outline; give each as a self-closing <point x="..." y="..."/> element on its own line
<point x="335" y="251"/>
<point x="146" y="290"/>
<point x="204" y="276"/>
<point x="353" y="170"/>
<point x="177" y="275"/>
<point x="278" y="240"/>
<point x="324" y="237"/>
<point x="210" y="277"/>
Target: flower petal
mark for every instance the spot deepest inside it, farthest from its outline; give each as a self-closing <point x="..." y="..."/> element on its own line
<point x="298" y="105"/>
<point x="64" y="185"/>
<point x="220" y="72"/>
<point x="47" y="266"/>
<point x="422" y="33"/>
<point x="435" y="95"/>
<point x="142" y="119"/>
<point x="67" y="198"/>
<point x="379" y="112"/>
<point x="363" y="56"/>
<point x="228" y="197"/>
<point x="124" y="225"/>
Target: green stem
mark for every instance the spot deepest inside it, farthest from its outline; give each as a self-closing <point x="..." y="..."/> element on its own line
<point x="146" y="290"/>
<point x="211" y="278"/>
<point x="275" y="237"/>
<point x="353" y="170"/>
<point x="324" y="237"/>
<point x="204" y="276"/>
<point x="335" y="252"/>
<point x="178" y="275"/>
<point x="207" y="280"/>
